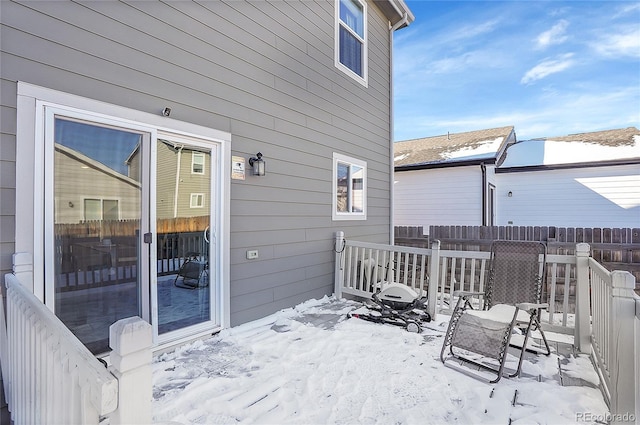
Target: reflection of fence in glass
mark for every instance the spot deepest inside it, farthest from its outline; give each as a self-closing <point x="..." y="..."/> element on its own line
<point x="105" y="252"/>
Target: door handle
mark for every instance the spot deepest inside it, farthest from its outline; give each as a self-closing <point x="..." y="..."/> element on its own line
<point x="147" y="237"/>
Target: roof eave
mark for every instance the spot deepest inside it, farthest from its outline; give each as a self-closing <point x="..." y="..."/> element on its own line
<point x="445" y="164"/>
<point x="395" y="11"/>
<point x="528" y="168"/>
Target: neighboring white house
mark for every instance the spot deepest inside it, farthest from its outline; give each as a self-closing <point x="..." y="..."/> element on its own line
<point x="448" y="179"/>
<point x="580" y="180"/>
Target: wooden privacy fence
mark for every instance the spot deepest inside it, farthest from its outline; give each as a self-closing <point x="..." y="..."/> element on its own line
<point x="106" y="252"/>
<point x="113" y="228"/>
<point x="614" y="248"/>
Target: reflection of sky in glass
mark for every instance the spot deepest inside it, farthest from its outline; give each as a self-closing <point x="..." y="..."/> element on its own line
<point x="351" y="14"/>
<point x="108" y="146"/>
<point x="343" y="171"/>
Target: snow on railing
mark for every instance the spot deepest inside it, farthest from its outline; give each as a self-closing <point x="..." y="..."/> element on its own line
<point x="50" y="377"/>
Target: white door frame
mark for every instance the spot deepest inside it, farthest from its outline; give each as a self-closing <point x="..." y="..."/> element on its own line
<point x="32" y="182"/>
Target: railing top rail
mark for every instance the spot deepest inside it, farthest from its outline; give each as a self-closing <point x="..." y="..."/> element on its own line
<point x="103" y="385"/>
<point x="561" y="258"/>
<point x="599" y="268"/>
<point x="551" y="258"/>
<point x="465" y="254"/>
<point x="395" y="248"/>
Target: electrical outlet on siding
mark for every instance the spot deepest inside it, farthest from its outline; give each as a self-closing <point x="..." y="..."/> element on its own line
<point x="252" y="254"/>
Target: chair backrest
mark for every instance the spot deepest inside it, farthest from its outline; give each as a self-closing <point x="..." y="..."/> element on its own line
<point x="516" y="272"/>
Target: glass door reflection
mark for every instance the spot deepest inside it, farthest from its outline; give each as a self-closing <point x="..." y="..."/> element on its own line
<point x="97" y="212"/>
<point x="183" y="214"/>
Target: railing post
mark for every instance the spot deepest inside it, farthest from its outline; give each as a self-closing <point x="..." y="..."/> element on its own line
<point x="621" y="328"/>
<point x="131" y="340"/>
<point x="338" y="272"/>
<point x="23" y="269"/>
<point x="582" y="330"/>
<point x="432" y="289"/>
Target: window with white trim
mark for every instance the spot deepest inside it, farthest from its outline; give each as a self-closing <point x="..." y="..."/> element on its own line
<point x="349" y="188"/>
<point x="351" y="38"/>
<point x="197" y="163"/>
<point x="197" y="200"/>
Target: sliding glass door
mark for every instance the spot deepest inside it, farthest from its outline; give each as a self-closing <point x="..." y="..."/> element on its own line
<point x="131" y="228"/>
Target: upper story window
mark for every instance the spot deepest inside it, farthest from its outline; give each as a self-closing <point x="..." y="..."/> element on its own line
<point x="351" y="38"/>
<point x="349" y="188"/>
<point x="197" y="163"/>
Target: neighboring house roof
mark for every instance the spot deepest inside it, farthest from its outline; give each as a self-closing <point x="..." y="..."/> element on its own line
<point x="600" y="148"/>
<point x="473" y="147"/>
<point x="92" y="163"/>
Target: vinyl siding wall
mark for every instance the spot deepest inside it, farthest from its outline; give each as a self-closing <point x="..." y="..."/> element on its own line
<point x="577" y="197"/>
<point x="262" y="71"/>
<point x="74" y="184"/>
<point x="189" y="183"/>
<point x="439" y="196"/>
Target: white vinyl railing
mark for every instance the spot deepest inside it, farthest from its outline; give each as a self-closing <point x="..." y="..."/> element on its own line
<point x="598" y="307"/>
<point x="615" y="338"/>
<point x="360" y="263"/>
<point x="50" y="377"/>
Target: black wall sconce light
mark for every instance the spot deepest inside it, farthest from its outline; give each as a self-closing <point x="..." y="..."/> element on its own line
<point x="258" y="165"/>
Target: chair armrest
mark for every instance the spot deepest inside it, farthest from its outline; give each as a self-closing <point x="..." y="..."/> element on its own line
<point x="466" y="293"/>
<point x="531" y="306"/>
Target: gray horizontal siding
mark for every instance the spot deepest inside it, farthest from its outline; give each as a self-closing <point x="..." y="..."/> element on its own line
<point x="263" y="71"/>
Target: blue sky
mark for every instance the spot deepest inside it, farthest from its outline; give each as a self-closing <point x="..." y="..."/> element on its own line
<point x="549" y="68"/>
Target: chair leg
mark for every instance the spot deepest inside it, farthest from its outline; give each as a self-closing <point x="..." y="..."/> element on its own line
<point x="544" y="338"/>
<point x="524" y="347"/>
<point x="453" y="322"/>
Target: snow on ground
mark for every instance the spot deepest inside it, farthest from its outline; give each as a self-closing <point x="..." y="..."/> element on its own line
<point x="279" y="370"/>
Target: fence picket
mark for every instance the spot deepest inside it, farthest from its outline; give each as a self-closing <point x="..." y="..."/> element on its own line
<point x="615" y="248"/>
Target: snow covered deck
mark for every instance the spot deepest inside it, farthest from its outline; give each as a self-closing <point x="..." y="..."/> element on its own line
<point x="312" y="365"/>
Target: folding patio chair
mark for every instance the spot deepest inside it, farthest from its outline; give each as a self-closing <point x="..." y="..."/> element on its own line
<point x="511" y="300"/>
<point x="195" y="268"/>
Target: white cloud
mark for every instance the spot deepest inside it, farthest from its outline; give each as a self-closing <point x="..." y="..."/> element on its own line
<point x="471" y="31"/>
<point x="622" y="44"/>
<point x="548" y="67"/>
<point x="626" y="10"/>
<point x="556" y="35"/>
